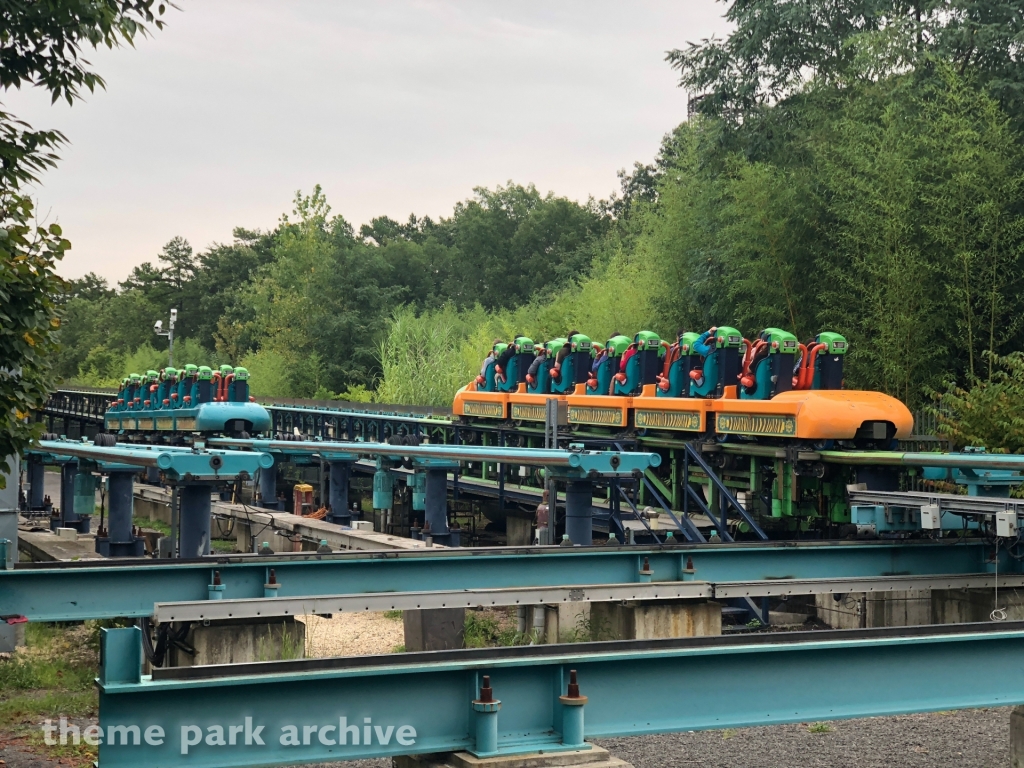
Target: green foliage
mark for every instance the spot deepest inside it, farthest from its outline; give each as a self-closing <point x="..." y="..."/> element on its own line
<point x="105" y="367"/>
<point x="145" y="522"/>
<point x="279" y="644"/>
<point x="988" y="413"/>
<point x="819" y="728"/>
<point x="420" y="358"/>
<point x="29" y="319"/>
<point x="269" y="374"/>
<point x="777" y="46"/>
<point x="855" y="166"/>
<point x="879" y="284"/>
<point x="48" y="661"/>
<point x="484" y="631"/>
<point x="40" y="45"/>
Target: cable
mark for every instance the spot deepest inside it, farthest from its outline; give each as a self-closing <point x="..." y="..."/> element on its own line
<point x="998" y="614"/>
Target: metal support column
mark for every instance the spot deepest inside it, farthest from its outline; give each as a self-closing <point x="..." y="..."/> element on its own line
<point x="120" y="540"/>
<point x="579" y="522"/>
<point x="340" y="512"/>
<point x="36" y="481"/>
<point x="268" y="487"/>
<point x="436" y="507"/>
<point x="68" y="518"/>
<point x="195" y="520"/>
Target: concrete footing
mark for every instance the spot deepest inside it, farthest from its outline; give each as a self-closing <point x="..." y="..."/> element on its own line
<point x="11" y="636"/>
<point x="518" y="531"/>
<point x="915" y="607"/>
<point x="1017" y="738"/>
<point x="859" y="610"/>
<point x="595" y="757"/>
<point x="648" y="620"/>
<point x="437" y="629"/>
<point x="236" y="641"/>
<point x="954" y="606"/>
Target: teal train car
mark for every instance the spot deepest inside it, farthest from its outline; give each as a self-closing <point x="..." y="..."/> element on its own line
<point x="193" y="399"/>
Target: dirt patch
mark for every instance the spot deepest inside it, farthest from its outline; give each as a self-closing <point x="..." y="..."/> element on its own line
<point x="353" y="634"/>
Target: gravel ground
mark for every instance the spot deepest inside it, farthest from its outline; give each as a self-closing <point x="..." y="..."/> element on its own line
<point x="976" y="738"/>
<point x="352" y="634"/>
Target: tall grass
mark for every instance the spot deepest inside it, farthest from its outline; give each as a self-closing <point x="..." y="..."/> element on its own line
<point x="421" y="358"/>
<point x="426" y="358"/>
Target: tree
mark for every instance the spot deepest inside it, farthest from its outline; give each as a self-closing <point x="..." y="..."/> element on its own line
<point x="40" y="45"/>
<point x="91" y="287"/>
<point x="778" y="46"/>
<point x="179" y="261"/>
<point x="990" y="413"/>
<point x="29" y="319"/>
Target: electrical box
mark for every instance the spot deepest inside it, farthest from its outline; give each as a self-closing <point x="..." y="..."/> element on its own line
<point x="931" y="517"/>
<point x="1006" y="524"/>
<point x="303" y="500"/>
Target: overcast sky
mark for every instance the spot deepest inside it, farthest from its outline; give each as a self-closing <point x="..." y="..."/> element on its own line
<point x="393" y="107"/>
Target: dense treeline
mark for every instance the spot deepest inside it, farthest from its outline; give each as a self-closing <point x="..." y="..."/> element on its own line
<point x="855" y="166"/>
<point x="306" y="305"/>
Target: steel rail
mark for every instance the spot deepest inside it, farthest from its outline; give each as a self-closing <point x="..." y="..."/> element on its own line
<point x="433" y="701"/>
<point x="87" y="590"/>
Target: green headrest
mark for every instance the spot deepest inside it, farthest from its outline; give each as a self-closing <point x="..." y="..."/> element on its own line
<point x="781" y="341"/>
<point x="616" y="345"/>
<point x="191" y="369"/>
<point x="836" y="344"/>
<point x="241" y="374"/>
<point x="152" y="375"/>
<point x="168" y="372"/>
<point x="556" y="344"/>
<point x="205" y="373"/>
<point x="686" y="342"/>
<point x="581" y="343"/>
<point x="648" y="340"/>
<point x="135" y="378"/>
<point x="525" y="344"/>
<point x="727" y="336"/>
<point x="498" y="348"/>
<point x="226" y="369"/>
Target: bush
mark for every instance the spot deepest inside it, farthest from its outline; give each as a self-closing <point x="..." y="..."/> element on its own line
<point x="990" y="412"/>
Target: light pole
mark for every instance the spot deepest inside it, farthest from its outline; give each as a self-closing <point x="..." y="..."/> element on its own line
<point x="158" y="328"/>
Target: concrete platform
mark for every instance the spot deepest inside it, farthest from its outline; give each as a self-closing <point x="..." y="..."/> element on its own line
<point x="595" y="757"/>
<point x="240" y="641"/>
<point x="43" y="546"/>
<point x="154" y="503"/>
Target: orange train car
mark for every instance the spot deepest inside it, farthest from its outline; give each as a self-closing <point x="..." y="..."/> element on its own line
<point x="783" y="390"/>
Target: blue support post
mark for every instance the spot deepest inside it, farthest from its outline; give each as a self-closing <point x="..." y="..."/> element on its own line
<point x="120" y="656"/>
<point x="383" y="486"/>
<point x="68" y="517"/>
<point x="36" y="481"/>
<point x="195" y="520"/>
<point x="436" y="505"/>
<point x="120" y="541"/>
<point x="340" y="512"/>
<point x="572" y="714"/>
<point x="268" y="486"/>
<point x="485" y="716"/>
<point x="579" y="520"/>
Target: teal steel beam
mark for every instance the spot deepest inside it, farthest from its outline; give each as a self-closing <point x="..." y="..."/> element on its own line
<point x="569" y="463"/>
<point x="282" y="713"/>
<point x="76" y="591"/>
<point x="175" y="463"/>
